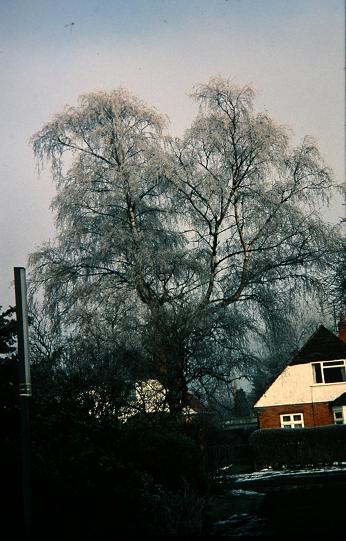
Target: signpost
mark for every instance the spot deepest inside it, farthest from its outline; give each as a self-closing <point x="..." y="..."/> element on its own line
<point x="24" y="392"/>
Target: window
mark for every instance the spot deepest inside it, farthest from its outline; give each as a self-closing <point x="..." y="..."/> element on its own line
<point x="338" y="416"/>
<point x="292" y="420"/>
<point x="329" y="372"/>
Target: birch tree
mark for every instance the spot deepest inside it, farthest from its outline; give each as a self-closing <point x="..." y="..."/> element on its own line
<point x="197" y="237"/>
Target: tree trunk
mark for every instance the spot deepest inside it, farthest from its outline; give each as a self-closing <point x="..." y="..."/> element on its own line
<point x="168" y="352"/>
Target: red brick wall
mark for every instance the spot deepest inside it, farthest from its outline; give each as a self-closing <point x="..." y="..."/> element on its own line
<point x="342" y="328"/>
<point x="317" y="414"/>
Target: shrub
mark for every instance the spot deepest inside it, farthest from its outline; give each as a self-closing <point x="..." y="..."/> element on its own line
<point x="298" y="447"/>
<point x="171" y="457"/>
<point x="132" y="479"/>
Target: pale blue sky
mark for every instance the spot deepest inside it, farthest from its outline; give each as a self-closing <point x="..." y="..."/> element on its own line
<point x="292" y="51"/>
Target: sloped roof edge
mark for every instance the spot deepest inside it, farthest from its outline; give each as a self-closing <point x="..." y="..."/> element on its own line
<point x="323" y="345"/>
<point x="339" y="401"/>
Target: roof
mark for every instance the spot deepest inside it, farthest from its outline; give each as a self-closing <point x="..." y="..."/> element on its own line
<point x="340" y="401"/>
<point x="323" y="345"/>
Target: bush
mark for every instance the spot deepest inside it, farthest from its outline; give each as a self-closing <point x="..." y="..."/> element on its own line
<point x="278" y="448"/>
<point x="163" y="450"/>
<point x="132" y="479"/>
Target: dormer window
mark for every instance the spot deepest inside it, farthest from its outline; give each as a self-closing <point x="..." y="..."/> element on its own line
<point x="329" y="372"/>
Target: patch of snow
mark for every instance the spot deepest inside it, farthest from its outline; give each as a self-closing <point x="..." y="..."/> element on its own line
<point x="241" y="492"/>
<point x="268" y="473"/>
<point x="225" y="468"/>
<point x="241" y="525"/>
<point x="232" y="518"/>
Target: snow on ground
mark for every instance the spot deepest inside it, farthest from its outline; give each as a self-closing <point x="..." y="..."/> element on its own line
<point x="241" y="525"/>
<point x="240" y="492"/>
<point x="254" y="499"/>
<point x="269" y="473"/>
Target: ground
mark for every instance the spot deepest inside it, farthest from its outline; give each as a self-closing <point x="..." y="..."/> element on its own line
<point x="279" y="504"/>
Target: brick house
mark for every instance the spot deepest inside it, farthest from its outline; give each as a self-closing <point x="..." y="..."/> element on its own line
<point x="311" y="390"/>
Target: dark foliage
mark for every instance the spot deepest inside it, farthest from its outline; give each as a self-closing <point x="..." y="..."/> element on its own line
<point x="91" y="474"/>
<point x="7" y="332"/>
<point x="8" y="373"/>
<point x="101" y="477"/>
<point x="280" y="448"/>
<point x="9" y="420"/>
<point x="165" y="451"/>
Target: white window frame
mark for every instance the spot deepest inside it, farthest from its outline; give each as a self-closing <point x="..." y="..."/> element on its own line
<point x="292" y="422"/>
<point x="324" y="365"/>
<point x="337" y="419"/>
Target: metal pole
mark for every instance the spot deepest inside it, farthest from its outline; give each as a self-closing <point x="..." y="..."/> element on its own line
<point x="24" y="392"/>
<point x="344" y="116"/>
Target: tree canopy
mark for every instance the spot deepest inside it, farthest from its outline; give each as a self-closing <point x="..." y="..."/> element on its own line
<point x="187" y="247"/>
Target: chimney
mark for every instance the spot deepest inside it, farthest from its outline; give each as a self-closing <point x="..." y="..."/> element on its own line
<point x="342" y="327"/>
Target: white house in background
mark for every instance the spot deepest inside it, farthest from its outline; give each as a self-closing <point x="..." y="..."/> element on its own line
<point x="311" y="390"/>
<point x="151" y="397"/>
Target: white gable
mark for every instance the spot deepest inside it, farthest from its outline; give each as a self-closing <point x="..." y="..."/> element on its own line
<point x="295" y="385"/>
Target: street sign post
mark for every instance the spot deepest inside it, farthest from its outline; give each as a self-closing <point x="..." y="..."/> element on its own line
<point x="24" y="392"/>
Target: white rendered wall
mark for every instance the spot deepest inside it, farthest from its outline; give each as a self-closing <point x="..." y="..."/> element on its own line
<point x="295" y="385"/>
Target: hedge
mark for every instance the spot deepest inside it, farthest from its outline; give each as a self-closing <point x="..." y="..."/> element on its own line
<point x="281" y="447"/>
